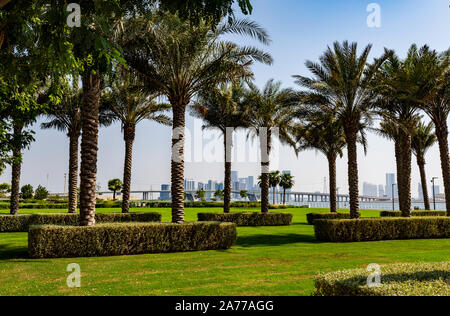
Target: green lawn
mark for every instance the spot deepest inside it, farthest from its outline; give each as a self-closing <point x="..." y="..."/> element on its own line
<point x="264" y="261"/>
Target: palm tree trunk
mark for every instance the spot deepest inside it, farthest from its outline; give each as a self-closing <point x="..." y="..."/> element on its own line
<point x="273" y="195"/>
<point x="399" y="164"/>
<point x="129" y="132"/>
<point x="16" y="169"/>
<point x="73" y="172"/>
<point x="423" y="178"/>
<point x="114" y="195"/>
<point x="177" y="164"/>
<point x="89" y="148"/>
<point x="442" y="136"/>
<point x="333" y="189"/>
<point x="351" y="137"/>
<point x="265" y="147"/>
<point x="284" y="196"/>
<point x="227" y="180"/>
<point x="405" y="185"/>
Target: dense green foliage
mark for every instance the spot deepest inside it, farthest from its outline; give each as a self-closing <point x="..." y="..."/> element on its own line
<point x="41" y="193"/>
<point x="27" y="192"/>
<point x="413" y="213"/>
<point x="21" y="223"/>
<point x="311" y="217"/>
<point x="419" y="279"/>
<point x="249" y="219"/>
<point x="128" y="239"/>
<point x="373" y="229"/>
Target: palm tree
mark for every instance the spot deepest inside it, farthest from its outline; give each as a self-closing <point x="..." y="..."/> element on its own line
<point x="130" y="104"/>
<point x="423" y="139"/>
<point x="274" y="181"/>
<point x="287" y="183"/>
<point x="269" y="108"/>
<point x="341" y="85"/>
<point x="181" y="59"/>
<point x="323" y="132"/>
<point x="222" y="108"/>
<point x="437" y="106"/>
<point x="115" y="185"/>
<point x="401" y="85"/>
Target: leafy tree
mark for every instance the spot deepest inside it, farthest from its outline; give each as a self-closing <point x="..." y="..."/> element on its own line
<point x="201" y="194"/>
<point x="41" y="193"/>
<point x="219" y="194"/>
<point x="342" y="85"/>
<point x="274" y="181"/>
<point x="423" y="139"/>
<point x="269" y="110"/>
<point x="115" y="185"/>
<point x="130" y="104"/>
<point x="180" y="60"/>
<point x="287" y="183"/>
<point x="243" y="194"/>
<point x="27" y="192"/>
<point x="5" y="188"/>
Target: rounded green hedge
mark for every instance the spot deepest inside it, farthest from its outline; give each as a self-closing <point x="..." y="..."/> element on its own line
<point x="413" y="213"/>
<point x="248" y="219"/>
<point x="409" y="279"/>
<point x="117" y="239"/>
<point x="311" y="217"/>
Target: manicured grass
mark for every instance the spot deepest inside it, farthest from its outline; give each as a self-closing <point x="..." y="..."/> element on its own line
<point x="265" y="261"/>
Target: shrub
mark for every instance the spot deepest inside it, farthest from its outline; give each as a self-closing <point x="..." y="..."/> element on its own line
<point x="248" y="219"/>
<point x="373" y="229"/>
<point x="26" y="192"/>
<point x="21" y="223"/>
<point x="128" y="239"/>
<point x="311" y="217"/>
<point x="41" y="193"/>
<point x="424" y="279"/>
<point x="414" y="213"/>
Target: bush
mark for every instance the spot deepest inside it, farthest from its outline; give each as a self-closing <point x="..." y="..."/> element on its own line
<point x="425" y="279"/>
<point x="248" y="219"/>
<point x="128" y="239"/>
<point x="26" y="192"/>
<point x="41" y="193"/>
<point x="311" y="217"/>
<point x="21" y="223"/>
<point x="373" y="229"/>
<point x="414" y="213"/>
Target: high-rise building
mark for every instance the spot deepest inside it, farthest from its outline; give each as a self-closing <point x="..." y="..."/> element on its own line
<point x="381" y="192"/>
<point x="390" y="180"/>
<point x="200" y="186"/>
<point x="250" y="183"/>
<point x="234" y="176"/>
<point x="189" y="185"/>
<point x="370" y="189"/>
<point x="165" y="196"/>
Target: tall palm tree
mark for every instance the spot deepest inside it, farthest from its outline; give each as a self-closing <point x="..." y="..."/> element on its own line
<point x="423" y="139"/>
<point x="287" y="183"/>
<point x="269" y="108"/>
<point x="180" y="60"/>
<point x="222" y="108"/>
<point x="130" y="104"/>
<point x="66" y="117"/>
<point x="341" y="84"/>
<point x="274" y="181"/>
<point x="437" y="106"/>
<point x="323" y="132"/>
<point x="401" y="87"/>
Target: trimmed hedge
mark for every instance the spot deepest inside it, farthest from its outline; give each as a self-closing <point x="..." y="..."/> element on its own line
<point x="413" y="213"/>
<point x="425" y="279"/>
<point x="21" y="223"/>
<point x="248" y="219"/>
<point x="374" y="229"/>
<point x="128" y="239"/>
<point x="311" y="217"/>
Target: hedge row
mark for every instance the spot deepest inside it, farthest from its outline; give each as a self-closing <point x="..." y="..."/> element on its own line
<point x="21" y="223"/>
<point x="128" y="239"/>
<point x="311" y="217"/>
<point x="373" y="229"/>
<point x="248" y="219"/>
<point x="425" y="279"/>
<point x="413" y="213"/>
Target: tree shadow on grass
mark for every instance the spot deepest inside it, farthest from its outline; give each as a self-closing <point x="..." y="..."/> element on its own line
<point x="8" y="252"/>
<point x="274" y="240"/>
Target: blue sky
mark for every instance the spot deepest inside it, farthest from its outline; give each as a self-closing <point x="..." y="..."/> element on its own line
<point x="300" y="30"/>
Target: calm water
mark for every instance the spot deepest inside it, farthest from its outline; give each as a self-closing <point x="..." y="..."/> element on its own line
<point x="384" y="206"/>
